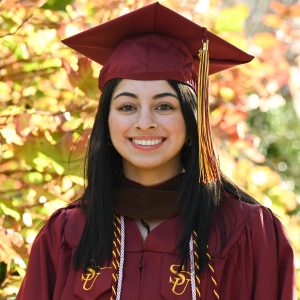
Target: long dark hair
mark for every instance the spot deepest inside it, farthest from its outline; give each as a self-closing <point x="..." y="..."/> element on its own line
<point x="198" y="202"/>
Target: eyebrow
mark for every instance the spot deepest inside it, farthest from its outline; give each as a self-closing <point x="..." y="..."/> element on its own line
<point x="157" y="96"/>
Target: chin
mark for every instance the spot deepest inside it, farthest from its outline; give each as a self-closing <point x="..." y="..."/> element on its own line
<point x="151" y="165"/>
<point x="146" y="165"/>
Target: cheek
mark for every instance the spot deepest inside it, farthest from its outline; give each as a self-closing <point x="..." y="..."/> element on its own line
<point x="112" y="125"/>
<point x="177" y="126"/>
<point x="117" y="125"/>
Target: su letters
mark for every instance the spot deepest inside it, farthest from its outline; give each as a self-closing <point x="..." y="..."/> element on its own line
<point x="90" y="277"/>
<point x="179" y="280"/>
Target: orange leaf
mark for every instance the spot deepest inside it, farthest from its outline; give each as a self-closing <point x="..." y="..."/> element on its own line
<point x="279" y="8"/>
<point x="295" y="9"/>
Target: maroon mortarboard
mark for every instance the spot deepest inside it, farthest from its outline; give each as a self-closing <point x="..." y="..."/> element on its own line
<point x="154" y="43"/>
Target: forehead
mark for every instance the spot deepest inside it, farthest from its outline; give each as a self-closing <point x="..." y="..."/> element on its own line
<point x="143" y="87"/>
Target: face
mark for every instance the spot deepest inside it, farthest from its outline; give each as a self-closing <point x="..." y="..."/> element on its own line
<point x="146" y="126"/>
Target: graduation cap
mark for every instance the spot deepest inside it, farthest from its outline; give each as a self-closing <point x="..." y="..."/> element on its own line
<point x="156" y="43"/>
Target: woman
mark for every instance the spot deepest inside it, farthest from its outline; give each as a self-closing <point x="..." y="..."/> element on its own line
<point x="158" y="220"/>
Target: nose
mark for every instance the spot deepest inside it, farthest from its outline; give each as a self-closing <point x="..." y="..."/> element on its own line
<point x="146" y="120"/>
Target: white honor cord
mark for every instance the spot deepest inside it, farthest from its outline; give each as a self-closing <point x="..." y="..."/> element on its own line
<point x="192" y="263"/>
<point x="122" y="254"/>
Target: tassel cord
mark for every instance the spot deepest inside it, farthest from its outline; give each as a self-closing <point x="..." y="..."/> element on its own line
<point x="208" y="163"/>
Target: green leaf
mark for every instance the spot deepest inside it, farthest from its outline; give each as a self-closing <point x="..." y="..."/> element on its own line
<point x="42" y="161"/>
<point x="11" y="110"/>
<point x="3" y="269"/>
<point x="45" y="157"/>
<point x="21" y="51"/>
<point x="10" y="212"/>
<point x="232" y="19"/>
<point x="33" y="177"/>
<point x="56" y="5"/>
<point x="8" y="21"/>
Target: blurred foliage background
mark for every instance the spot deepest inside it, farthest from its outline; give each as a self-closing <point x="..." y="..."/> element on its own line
<point x="48" y="98"/>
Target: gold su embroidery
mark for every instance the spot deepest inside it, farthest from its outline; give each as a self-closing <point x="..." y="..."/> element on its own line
<point x="90" y="277"/>
<point x="179" y="280"/>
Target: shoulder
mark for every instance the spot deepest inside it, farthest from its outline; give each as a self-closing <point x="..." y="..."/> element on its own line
<point x="239" y="224"/>
<point x="249" y="240"/>
<point x="233" y="208"/>
<point x="64" y="225"/>
<point x="234" y="214"/>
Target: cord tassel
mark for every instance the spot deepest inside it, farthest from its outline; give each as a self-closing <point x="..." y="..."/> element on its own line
<point x="208" y="162"/>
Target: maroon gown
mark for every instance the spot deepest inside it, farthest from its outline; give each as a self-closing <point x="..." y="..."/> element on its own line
<point x="255" y="263"/>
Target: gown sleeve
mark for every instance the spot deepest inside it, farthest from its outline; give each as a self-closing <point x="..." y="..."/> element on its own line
<point x="39" y="281"/>
<point x="273" y="260"/>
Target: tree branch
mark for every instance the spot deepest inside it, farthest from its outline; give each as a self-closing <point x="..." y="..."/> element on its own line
<point x="18" y="28"/>
<point x="20" y="75"/>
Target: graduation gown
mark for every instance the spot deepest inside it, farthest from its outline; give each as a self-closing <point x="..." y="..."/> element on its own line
<point x="255" y="263"/>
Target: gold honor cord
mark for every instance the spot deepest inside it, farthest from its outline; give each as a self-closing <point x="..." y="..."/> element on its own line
<point x="208" y="163"/>
<point x="197" y="270"/>
<point x="116" y="257"/>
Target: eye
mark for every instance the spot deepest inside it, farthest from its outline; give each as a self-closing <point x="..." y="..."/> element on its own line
<point x="165" y="107"/>
<point x="127" y="108"/>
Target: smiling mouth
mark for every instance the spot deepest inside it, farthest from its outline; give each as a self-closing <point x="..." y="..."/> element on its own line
<point x="147" y="142"/>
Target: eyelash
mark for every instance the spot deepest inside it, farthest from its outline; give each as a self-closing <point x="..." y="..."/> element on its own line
<point x="123" y="107"/>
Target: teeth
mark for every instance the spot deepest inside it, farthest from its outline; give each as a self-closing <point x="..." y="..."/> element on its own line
<point x="147" y="142"/>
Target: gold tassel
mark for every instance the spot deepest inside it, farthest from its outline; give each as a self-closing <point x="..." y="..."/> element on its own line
<point x="208" y="162"/>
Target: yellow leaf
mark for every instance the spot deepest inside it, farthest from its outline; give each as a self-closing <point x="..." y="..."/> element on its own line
<point x="227" y="93"/>
<point x="10" y="135"/>
<point x="265" y="40"/>
<point x="67" y="183"/>
<point x="272" y="21"/>
<point x="77" y="180"/>
<point x="5" y="92"/>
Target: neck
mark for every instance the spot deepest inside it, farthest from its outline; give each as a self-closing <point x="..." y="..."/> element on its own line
<point x="148" y="177"/>
<point x="151" y="203"/>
